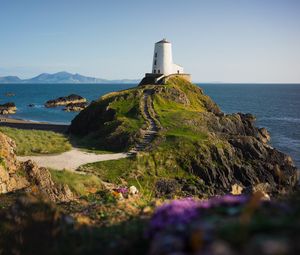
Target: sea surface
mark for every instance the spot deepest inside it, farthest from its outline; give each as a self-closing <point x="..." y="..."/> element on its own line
<point x="276" y="106"/>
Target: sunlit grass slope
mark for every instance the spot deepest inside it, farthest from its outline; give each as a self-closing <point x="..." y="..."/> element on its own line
<point x="34" y="142"/>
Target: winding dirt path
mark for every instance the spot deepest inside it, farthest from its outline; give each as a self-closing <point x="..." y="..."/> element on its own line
<point x="152" y="129"/>
<point x="74" y="158"/>
<point x="71" y="160"/>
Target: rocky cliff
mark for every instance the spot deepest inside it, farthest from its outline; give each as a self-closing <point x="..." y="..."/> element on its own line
<point x="198" y="148"/>
<point x="27" y="176"/>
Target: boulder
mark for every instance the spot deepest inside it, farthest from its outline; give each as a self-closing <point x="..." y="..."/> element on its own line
<point x="8" y="108"/>
<point x="40" y="177"/>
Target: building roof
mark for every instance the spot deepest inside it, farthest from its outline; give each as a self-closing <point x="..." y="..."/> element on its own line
<point x="163" y="41"/>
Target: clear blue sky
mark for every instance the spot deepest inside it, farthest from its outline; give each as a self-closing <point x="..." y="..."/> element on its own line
<point x="227" y="41"/>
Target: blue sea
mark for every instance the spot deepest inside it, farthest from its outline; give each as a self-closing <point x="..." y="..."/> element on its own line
<point x="276" y="106"/>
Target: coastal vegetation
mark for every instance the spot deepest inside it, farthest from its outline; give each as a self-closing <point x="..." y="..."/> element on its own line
<point x="111" y="123"/>
<point x="35" y="142"/>
<point x="204" y="183"/>
<point x="81" y="185"/>
<point x="198" y="150"/>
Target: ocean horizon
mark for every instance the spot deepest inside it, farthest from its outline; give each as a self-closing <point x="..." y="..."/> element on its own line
<point x="276" y="106"/>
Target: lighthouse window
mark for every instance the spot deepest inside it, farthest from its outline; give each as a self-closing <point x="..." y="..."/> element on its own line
<point x="154" y="71"/>
<point x="158" y="71"/>
<point x="155" y="62"/>
<point x="155" y="54"/>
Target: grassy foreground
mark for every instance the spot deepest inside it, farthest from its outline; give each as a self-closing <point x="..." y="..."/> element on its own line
<point x="80" y="184"/>
<point x="34" y="142"/>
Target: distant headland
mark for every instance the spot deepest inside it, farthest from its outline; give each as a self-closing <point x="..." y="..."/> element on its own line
<point x="62" y="77"/>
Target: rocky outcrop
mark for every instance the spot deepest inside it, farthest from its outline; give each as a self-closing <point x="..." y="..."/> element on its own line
<point x="40" y="178"/>
<point x="8" y="108"/>
<point x="35" y="180"/>
<point x="243" y="158"/>
<point x="65" y="101"/>
<point x="10" y="178"/>
<point x="75" y="107"/>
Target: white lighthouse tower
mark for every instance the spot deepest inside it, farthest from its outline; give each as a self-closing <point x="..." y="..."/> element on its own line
<point x="163" y="67"/>
<point x="163" y="59"/>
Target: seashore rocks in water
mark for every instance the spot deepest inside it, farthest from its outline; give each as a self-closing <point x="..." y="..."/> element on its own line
<point x="27" y="176"/>
<point x="31" y="105"/>
<point x="8" y="108"/>
<point x="75" y="107"/>
<point x="72" y="103"/>
<point x="10" y="94"/>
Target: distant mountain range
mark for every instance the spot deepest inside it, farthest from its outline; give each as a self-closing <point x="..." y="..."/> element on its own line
<point x="61" y="77"/>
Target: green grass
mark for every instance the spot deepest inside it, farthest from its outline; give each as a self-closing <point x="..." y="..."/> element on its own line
<point x="113" y="170"/>
<point x="35" y="142"/>
<point x="79" y="184"/>
<point x="128" y="113"/>
<point x="110" y="124"/>
<point x="175" y="117"/>
<point x="142" y="171"/>
<point x="184" y="136"/>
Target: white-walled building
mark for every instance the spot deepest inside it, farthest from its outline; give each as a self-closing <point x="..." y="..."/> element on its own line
<point x="163" y="59"/>
<point x="163" y="67"/>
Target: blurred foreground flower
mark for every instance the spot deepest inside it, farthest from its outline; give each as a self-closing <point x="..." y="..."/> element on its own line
<point x="181" y="212"/>
<point x="175" y="212"/>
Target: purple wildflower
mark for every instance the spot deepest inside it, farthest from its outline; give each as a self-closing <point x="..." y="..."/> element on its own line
<point x="121" y="190"/>
<point x="182" y="212"/>
<point x="176" y="212"/>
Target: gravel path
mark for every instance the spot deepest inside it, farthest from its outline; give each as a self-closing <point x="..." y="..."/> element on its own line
<point x="71" y="160"/>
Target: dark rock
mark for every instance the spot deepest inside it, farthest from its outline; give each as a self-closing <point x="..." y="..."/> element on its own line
<point x="75" y="107"/>
<point x="31" y="105"/>
<point x="8" y="108"/>
<point x="263" y="135"/>
<point x="62" y="101"/>
<point x="166" y="188"/>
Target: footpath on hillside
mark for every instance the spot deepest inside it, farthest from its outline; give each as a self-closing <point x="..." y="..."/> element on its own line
<point x="74" y="158"/>
<point x="152" y="127"/>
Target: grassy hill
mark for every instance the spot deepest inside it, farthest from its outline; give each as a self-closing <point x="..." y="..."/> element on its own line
<point x="198" y="149"/>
